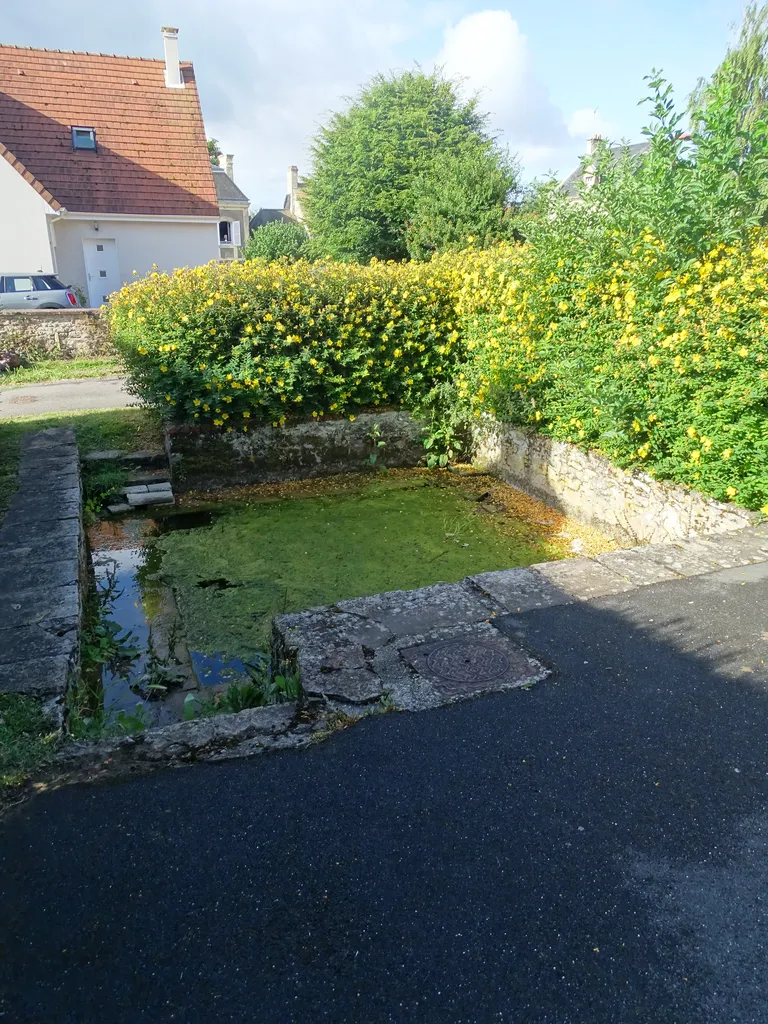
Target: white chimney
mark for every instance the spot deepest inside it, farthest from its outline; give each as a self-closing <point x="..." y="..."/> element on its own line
<point x="293" y="187"/>
<point x="229" y="160"/>
<point x="173" y="79"/>
<point x="593" y="143"/>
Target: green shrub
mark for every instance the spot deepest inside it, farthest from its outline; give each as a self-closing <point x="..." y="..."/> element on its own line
<point x="241" y="343"/>
<point x="282" y="239"/>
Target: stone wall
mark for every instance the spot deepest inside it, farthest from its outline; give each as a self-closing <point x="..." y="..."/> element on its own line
<point x="204" y="459"/>
<point x="631" y="506"/>
<point x="56" y="333"/>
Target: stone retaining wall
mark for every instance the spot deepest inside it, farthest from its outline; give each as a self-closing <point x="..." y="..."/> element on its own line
<point x="58" y="333"/>
<point x="43" y="569"/>
<point x="203" y="459"/>
<point x="631" y="506"/>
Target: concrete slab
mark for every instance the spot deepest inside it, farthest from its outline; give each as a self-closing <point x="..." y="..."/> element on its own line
<point x="411" y="612"/>
<point x="583" y="578"/>
<point x="52" y="437"/>
<point x="520" y="590"/>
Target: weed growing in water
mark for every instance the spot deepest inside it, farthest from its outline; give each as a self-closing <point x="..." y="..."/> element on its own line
<point x="261" y="690"/>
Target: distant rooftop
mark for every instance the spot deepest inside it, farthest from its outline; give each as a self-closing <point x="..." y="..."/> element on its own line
<point x="570" y="184"/>
<point x="226" y="190"/>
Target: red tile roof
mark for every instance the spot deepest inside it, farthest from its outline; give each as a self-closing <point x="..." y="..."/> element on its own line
<point x="152" y="156"/>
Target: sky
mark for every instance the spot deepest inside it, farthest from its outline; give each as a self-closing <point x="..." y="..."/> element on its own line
<point x="551" y="73"/>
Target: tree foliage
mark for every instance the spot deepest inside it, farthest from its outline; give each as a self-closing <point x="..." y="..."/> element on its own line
<point x="461" y="199"/>
<point x="282" y="239"/>
<point x="214" y="152"/>
<point x="371" y="163"/>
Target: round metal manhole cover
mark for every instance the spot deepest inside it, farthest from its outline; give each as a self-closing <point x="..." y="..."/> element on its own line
<point x="467" y="661"/>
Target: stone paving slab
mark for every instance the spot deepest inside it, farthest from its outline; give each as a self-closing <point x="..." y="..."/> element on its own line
<point x="41" y="639"/>
<point x="583" y="578"/>
<point x="520" y="590"/>
<point x="635" y="566"/>
<point x="23" y="574"/>
<point x="427" y="635"/>
<point x="23" y="607"/>
<point x="410" y="612"/>
<point x="42" y="568"/>
<point x="151" y="498"/>
<point x="37" y="677"/>
<point x="28" y="512"/>
<point x="53" y="437"/>
<point x="418" y="673"/>
<point x="57" y="531"/>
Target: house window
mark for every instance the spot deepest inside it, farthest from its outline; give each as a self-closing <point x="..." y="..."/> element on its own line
<point x="225" y="232"/>
<point x="84" y="138"/>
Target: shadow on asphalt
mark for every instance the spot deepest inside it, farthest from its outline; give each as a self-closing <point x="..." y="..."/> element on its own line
<point x="590" y="851"/>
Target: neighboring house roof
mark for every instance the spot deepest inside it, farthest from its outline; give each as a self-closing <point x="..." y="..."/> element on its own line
<point x="226" y="190"/>
<point x="569" y="184"/>
<point x="268" y="216"/>
<point x="152" y="154"/>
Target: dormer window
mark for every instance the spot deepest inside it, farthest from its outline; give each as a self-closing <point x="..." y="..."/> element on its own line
<point x="84" y="138"/>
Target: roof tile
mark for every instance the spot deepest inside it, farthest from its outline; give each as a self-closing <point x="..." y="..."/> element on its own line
<point x="152" y="156"/>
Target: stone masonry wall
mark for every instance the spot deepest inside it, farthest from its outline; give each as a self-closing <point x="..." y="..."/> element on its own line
<point x="43" y="569"/>
<point x="630" y="506"/>
<point x="57" y="333"/>
<point x="206" y="459"/>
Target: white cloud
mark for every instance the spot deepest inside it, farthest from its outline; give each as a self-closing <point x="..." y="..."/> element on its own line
<point x="268" y="73"/>
<point x="586" y="123"/>
<point x="490" y="52"/>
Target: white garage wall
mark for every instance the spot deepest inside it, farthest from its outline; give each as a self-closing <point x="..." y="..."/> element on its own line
<point x="139" y="244"/>
<point x="25" y="245"/>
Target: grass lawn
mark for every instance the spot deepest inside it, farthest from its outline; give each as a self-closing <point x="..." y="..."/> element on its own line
<point x="46" y="370"/>
<point x="26" y="738"/>
<point x="124" y="429"/>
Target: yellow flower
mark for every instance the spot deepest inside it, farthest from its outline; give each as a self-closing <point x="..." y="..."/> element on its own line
<point x="695" y="456"/>
<point x="352" y="419"/>
<point x="764" y="510"/>
<point x="731" y="491"/>
<point x="691" y="431"/>
<point x="727" y="453"/>
<point x="743" y="352"/>
<point x="164" y="369"/>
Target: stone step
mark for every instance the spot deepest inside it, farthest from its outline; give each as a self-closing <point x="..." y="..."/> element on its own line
<point x="151" y="498"/>
<point x="148" y="476"/>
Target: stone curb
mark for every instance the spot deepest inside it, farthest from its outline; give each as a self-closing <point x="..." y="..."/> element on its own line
<point x="43" y="568"/>
<point x="374" y="648"/>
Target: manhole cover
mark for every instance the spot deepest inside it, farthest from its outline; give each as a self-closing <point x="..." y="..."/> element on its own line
<point x="467" y="661"/>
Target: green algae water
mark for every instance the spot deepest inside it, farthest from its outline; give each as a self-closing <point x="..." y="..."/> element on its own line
<point x="260" y="559"/>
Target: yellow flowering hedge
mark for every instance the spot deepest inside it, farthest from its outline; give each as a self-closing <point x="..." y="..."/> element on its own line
<point x="615" y="350"/>
<point x="654" y="368"/>
<point x="235" y="344"/>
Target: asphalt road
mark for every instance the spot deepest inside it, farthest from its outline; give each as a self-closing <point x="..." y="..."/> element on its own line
<point x="64" y="396"/>
<point x="591" y="851"/>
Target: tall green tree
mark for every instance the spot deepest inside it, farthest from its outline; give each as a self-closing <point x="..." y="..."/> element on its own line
<point x="743" y="71"/>
<point x="462" y="197"/>
<point x="369" y="158"/>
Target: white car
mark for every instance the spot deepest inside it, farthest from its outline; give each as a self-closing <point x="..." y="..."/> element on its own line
<point x="35" y="291"/>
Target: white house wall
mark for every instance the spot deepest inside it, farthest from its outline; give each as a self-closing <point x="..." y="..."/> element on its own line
<point x="140" y="244"/>
<point x="25" y="245"/>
